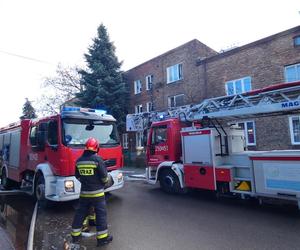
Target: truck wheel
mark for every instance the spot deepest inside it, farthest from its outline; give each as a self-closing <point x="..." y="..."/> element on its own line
<point x="39" y="191"/>
<point x="169" y="182"/>
<point x="5" y="182"/>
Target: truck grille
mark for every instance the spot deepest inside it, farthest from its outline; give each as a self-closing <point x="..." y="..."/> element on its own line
<point x="110" y="162"/>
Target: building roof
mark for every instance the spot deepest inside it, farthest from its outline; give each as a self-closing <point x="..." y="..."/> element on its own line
<point x="247" y="46"/>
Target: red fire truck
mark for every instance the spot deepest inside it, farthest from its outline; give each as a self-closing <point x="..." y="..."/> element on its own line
<point x="38" y="155"/>
<point x="198" y="146"/>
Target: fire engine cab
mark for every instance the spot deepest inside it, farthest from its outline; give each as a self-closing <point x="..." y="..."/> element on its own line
<point x="198" y="146"/>
<point x="38" y="155"/>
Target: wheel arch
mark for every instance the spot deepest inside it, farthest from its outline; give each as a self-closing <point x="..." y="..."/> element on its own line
<point x="177" y="168"/>
<point x="44" y="170"/>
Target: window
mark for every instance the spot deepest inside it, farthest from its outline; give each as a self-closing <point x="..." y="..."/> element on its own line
<point x="139" y="139"/>
<point x="149" y="81"/>
<point x="238" y="86"/>
<point x="292" y="73"/>
<point x="174" y="73"/>
<point x="249" y="130"/>
<point x="52" y="133"/>
<point x="77" y="132"/>
<point x="159" y="135"/>
<point x="297" y="41"/>
<point x="295" y="129"/>
<point x="137" y="87"/>
<point x="175" y="101"/>
<point x="125" y="140"/>
<point x="139" y="108"/>
<point x="149" y="106"/>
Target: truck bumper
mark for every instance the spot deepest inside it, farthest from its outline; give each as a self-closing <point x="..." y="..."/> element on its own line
<point x="56" y="190"/>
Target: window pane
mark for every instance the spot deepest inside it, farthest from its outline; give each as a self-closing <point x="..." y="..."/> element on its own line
<point x="247" y="84"/>
<point x="290" y="74"/>
<point x="298" y="73"/>
<point x="175" y="73"/>
<point x="169" y="74"/>
<point x="180" y="71"/>
<point x="53" y="133"/>
<point x="179" y="100"/>
<point x="297" y="40"/>
<point x="238" y="87"/>
<point x="230" y="89"/>
<point x="296" y="129"/>
<point x="250" y="132"/>
<point x="171" y="101"/>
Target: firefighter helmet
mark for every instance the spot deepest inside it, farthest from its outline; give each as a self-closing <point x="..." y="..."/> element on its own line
<point x="92" y="144"/>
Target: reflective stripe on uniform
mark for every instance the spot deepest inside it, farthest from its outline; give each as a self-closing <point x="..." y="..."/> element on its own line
<point x="76" y="232"/>
<point x="86" y="166"/>
<point x="86" y="220"/>
<point x="86" y="163"/>
<point x="102" y="234"/>
<point x="92" y="217"/>
<point x="104" y="180"/>
<point x="91" y="195"/>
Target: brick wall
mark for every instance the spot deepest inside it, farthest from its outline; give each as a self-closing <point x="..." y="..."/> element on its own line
<point x="187" y="55"/>
<point x="264" y="62"/>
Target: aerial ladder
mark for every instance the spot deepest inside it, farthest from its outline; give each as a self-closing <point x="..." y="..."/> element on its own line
<point x="276" y="99"/>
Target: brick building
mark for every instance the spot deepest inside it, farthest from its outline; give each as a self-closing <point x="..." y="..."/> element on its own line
<point x="193" y="72"/>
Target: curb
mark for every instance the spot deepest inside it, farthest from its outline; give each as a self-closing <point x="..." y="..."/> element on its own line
<point x="32" y="228"/>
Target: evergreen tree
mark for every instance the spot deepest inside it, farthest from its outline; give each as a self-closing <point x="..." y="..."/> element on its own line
<point x="28" y="110"/>
<point x="103" y="86"/>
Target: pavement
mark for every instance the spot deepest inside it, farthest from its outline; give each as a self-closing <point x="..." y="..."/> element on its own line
<point x="143" y="217"/>
<point x="5" y="240"/>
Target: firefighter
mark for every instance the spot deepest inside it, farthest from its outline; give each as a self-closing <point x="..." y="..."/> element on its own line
<point x="92" y="174"/>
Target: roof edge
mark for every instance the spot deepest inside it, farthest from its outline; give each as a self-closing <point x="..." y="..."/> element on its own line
<point x="246" y="46"/>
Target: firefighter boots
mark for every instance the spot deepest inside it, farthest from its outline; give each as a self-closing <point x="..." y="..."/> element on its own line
<point x="104" y="241"/>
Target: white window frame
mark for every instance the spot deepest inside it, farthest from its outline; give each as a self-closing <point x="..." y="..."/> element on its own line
<point x="125" y="140"/>
<point x="149" y="106"/>
<point x="235" y="82"/>
<point x="138" y="108"/>
<point x="297" y="65"/>
<point x="174" y="96"/>
<point x="149" y="82"/>
<point x="174" y="73"/>
<point x="139" y="139"/>
<point x="137" y="87"/>
<point x="246" y="132"/>
<point x="291" y="129"/>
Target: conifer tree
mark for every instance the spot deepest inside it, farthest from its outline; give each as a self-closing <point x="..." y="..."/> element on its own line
<point x="103" y="86"/>
<point x="28" y="110"/>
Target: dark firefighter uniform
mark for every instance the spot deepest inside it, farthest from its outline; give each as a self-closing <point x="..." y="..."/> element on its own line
<point x="92" y="173"/>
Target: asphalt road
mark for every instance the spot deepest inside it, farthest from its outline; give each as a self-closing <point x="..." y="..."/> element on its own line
<point x="142" y="217"/>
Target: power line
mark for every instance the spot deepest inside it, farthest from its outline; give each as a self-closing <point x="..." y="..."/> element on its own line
<point x="25" y="57"/>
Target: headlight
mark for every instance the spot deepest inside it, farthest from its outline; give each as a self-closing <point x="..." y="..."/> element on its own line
<point x="69" y="186"/>
<point x="120" y="177"/>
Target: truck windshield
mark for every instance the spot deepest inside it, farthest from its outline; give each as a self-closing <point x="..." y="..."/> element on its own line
<point x="77" y="131"/>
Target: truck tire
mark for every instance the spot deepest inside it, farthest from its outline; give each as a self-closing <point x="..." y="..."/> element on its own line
<point x="5" y="182"/>
<point x="39" y="191"/>
<point x="169" y="182"/>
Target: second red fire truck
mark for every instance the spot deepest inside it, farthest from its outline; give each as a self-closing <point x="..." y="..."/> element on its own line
<point x="38" y="155"/>
<point x="198" y="147"/>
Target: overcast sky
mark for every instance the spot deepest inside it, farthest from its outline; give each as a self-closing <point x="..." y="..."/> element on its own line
<point x="37" y="35"/>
